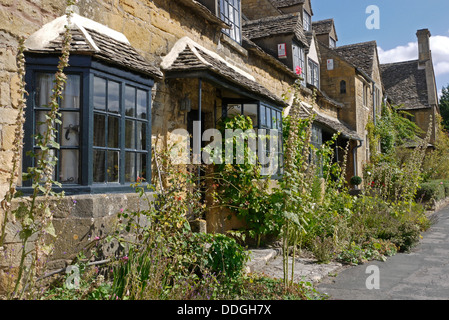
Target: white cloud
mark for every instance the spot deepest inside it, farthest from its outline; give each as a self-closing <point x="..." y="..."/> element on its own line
<point x="400" y="53"/>
<point x="440" y="54"/>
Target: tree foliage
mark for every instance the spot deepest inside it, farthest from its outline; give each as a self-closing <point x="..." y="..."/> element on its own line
<point x="444" y="107"/>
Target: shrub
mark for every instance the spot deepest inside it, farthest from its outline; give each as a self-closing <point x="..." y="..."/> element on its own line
<point x="433" y="190"/>
<point x="356" y="180"/>
<point x="225" y="257"/>
<point x="323" y="249"/>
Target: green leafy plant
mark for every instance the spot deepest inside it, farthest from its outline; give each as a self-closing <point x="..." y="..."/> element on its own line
<point x="241" y="186"/>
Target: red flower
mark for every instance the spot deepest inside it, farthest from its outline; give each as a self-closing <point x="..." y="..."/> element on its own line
<point x="298" y="70"/>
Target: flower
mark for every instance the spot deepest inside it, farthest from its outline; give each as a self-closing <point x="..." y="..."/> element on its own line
<point x="298" y="70"/>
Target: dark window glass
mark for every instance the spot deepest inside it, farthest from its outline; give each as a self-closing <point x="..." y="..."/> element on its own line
<point x="343" y="87"/>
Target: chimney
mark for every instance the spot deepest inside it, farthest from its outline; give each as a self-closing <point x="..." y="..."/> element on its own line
<point x="424" y="45"/>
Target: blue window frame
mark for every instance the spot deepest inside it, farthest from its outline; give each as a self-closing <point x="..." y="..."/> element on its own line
<point x="105" y="135"/>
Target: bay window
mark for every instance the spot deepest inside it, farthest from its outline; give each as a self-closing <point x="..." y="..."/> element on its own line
<point x="105" y="129"/>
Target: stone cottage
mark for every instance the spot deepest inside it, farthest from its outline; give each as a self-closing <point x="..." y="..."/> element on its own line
<point x="351" y="75"/>
<point x="141" y="71"/>
<point x="411" y="86"/>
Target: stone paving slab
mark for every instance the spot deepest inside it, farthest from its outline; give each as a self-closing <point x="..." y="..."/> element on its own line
<point x="269" y="262"/>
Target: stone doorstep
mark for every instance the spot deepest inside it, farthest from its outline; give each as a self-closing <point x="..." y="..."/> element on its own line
<point x="259" y="258"/>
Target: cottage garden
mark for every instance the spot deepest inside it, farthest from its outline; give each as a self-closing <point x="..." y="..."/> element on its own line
<point x="311" y="208"/>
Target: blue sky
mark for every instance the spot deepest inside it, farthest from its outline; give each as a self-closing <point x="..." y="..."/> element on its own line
<point x="399" y="21"/>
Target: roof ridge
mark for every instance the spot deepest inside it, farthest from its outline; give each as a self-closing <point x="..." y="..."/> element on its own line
<point x="400" y="62"/>
<point x="323" y="20"/>
<point x="287" y="15"/>
<point x="357" y="44"/>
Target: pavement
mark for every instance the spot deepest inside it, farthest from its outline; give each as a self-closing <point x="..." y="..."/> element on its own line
<point x="421" y="274"/>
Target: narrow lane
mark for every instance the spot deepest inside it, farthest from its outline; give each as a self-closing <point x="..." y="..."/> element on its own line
<point x="422" y="274"/>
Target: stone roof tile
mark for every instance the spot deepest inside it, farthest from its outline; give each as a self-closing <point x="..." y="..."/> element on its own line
<point x="406" y="84"/>
<point x="361" y="55"/>
<point x="195" y="59"/>
<point x="277" y="25"/>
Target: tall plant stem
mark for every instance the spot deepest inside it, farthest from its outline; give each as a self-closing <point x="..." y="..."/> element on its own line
<point x="18" y="140"/>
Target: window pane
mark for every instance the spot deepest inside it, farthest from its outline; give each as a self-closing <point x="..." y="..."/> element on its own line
<point x="263" y="116"/>
<point x="99" y="130"/>
<point x="234" y="109"/>
<point x="141" y="136"/>
<point x="69" y="166"/>
<point x="113" y="132"/>
<point x="113" y="97"/>
<point x="273" y="119"/>
<point x="99" y="93"/>
<point x="130" y="136"/>
<point x="250" y="110"/>
<point x="130" y="101"/>
<point x="41" y="126"/>
<point x="72" y="92"/>
<point x="44" y="85"/>
<point x="279" y="120"/>
<point x="98" y="163"/>
<point x="141" y="165"/>
<point x="268" y="117"/>
<point x="113" y="166"/>
<point x="142" y="103"/>
<point x="51" y="154"/>
<point x="130" y="167"/>
<point x="70" y="129"/>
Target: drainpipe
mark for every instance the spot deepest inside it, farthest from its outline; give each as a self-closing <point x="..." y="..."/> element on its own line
<point x="354" y="156"/>
<point x="200" y="91"/>
<point x="374" y="102"/>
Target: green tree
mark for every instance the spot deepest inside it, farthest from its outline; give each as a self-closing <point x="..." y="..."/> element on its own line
<point x="444" y="107"/>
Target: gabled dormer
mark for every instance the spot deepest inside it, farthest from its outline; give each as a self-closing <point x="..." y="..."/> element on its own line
<point x="282" y="37"/>
<point x="303" y="7"/>
<point x="325" y="32"/>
